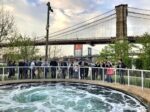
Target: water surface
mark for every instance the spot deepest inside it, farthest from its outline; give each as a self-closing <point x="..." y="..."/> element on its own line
<point x="65" y="97"/>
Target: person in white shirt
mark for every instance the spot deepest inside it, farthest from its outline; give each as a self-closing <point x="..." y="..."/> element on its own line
<point x="32" y="67"/>
<point x="76" y="69"/>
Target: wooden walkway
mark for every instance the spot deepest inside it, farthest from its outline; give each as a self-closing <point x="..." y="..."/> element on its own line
<point x="143" y="95"/>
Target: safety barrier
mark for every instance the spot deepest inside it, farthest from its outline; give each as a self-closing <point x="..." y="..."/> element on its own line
<point x="112" y="75"/>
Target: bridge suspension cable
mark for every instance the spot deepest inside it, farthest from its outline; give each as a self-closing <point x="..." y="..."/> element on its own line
<point x="138" y="9"/>
<point x="108" y="12"/>
<point x="138" y="21"/>
<point x="88" y="25"/>
<point x="92" y="22"/>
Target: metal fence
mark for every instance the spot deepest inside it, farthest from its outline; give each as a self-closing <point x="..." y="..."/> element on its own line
<point x="111" y="75"/>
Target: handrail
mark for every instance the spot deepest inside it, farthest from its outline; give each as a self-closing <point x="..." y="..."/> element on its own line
<point x="122" y="75"/>
<point x="72" y="66"/>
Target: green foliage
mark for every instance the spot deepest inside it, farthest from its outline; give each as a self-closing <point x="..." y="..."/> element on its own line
<point x="116" y="51"/>
<point x="121" y="49"/>
<point x="22" y="48"/>
<point x="145" y="54"/>
<point x="106" y="53"/>
<point x="138" y="63"/>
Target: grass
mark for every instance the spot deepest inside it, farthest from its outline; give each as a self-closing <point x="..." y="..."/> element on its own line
<point x="135" y="81"/>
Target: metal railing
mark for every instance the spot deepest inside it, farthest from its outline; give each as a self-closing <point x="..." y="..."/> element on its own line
<point x="112" y="75"/>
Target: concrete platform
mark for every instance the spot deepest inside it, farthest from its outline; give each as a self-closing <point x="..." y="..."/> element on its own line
<point x="142" y="95"/>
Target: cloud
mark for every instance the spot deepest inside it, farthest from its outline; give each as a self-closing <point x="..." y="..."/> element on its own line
<point x="30" y="15"/>
<point x="66" y="12"/>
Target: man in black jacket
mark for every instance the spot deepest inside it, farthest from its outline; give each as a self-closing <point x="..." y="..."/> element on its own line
<point x="21" y="68"/>
<point x="53" y="65"/>
<point x="63" y="65"/>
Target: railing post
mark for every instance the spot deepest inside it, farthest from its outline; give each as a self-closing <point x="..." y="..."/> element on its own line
<point x="115" y="75"/>
<point x="31" y="73"/>
<point x="79" y="74"/>
<point x="68" y="72"/>
<point x="44" y="71"/>
<point x="103" y="75"/>
<point x="18" y="74"/>
<point x="128" y="77"/>
<point x="91" y="72"/>
<point x="142" y="82"/>
<point x="3" y="74"/>
<point x="57" y="72"/>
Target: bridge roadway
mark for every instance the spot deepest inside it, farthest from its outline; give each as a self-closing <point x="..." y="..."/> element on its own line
<point x="141" y="94"/>
<point x="73" y="41"/>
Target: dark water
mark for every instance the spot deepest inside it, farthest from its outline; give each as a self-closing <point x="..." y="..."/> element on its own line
<point x="64" y="97"/>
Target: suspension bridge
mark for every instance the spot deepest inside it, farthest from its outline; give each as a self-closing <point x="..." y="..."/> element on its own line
<point x="119" y="23"/>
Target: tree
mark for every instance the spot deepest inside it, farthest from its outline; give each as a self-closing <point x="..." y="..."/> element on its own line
<point x="7" y="26"/>
<point x="116" y="51"/>
<point x="55" y="51"/>
<point x="107" y="53"/>
<point x="145" y="54"/>
<point x="122" y="51"/>
<point x="27" y="49"/>
<point x="22" y="47"/>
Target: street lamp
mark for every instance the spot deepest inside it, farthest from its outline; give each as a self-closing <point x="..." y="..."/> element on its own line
<point x="47" y="29"/>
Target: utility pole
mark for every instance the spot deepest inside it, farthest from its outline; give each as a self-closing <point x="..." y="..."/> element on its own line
<point x="47" y="30"/>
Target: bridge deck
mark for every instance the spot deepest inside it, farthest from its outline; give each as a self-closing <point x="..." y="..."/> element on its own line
<point x="143" y="95"/>
<point x="73" y="41"/>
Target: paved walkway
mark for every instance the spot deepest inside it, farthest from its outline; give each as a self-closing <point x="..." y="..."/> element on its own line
<point x="143" y="95"/>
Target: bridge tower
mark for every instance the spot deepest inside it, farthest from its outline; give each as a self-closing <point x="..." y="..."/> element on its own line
<point x="121" y="21"/>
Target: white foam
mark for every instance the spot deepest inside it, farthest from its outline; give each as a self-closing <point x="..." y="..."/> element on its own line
<point x="64" y="98"/>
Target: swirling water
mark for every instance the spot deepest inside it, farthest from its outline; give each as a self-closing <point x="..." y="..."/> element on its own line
<point x="65" y="97"/>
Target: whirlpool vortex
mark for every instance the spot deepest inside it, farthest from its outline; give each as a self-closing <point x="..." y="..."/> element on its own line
<point x="65" y="97"/>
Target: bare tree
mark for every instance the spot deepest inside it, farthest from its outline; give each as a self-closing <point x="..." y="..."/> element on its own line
<point x="55" y="51"/>
<point x="22" y="47"/>
<point x="6" y="25"/>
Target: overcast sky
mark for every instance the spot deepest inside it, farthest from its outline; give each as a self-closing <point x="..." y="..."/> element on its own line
<point x="30" y="15"/>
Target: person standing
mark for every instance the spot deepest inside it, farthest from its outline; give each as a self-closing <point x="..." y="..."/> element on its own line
<point x="76" y="69"/>
<point x="121" y="71"/>
<point x="32" y="67"/>
<point x="39" y="64"/>
<point x="45" y="64"/>
<point x="82" y="69"/>
<point x="9" y="69"/>
<point x="86" y="65"/>
<point x="53" y="65"/>
<point x="71" y="69"/>
<point x="21" y="69"/>
<point x="14" y="67"/>
<point x="64" y="69"/>
<point x="110" y="72"/>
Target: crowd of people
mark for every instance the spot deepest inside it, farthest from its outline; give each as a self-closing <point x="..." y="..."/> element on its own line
<point x="79" y="69"/>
